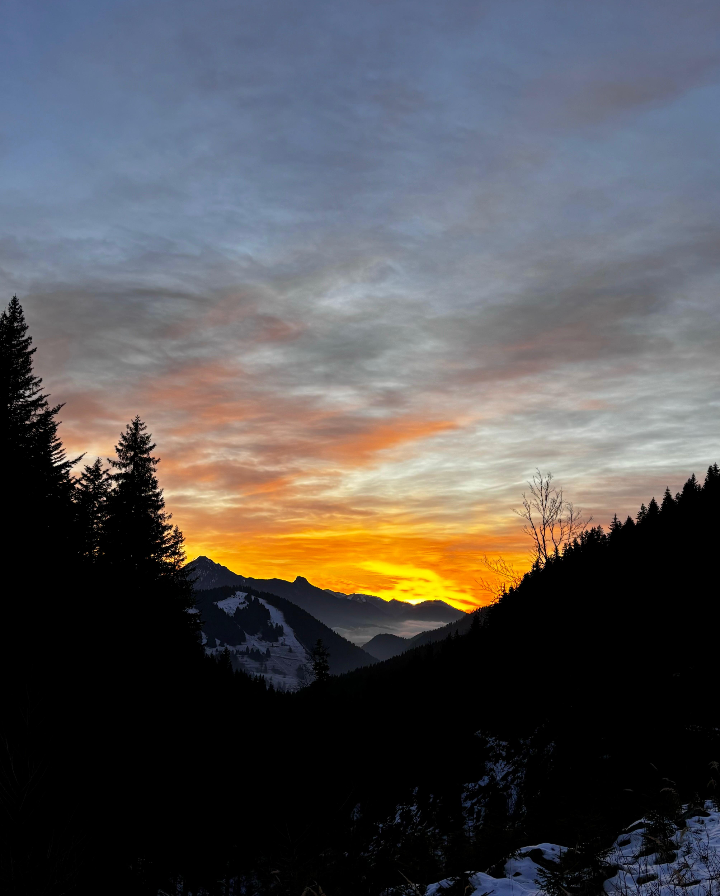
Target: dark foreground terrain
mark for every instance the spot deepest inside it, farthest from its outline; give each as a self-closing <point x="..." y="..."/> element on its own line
<point x="134" y="762"/>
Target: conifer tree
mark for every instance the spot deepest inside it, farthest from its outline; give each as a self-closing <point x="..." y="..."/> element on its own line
<point x="40" y="702"/>
<point x="712" y="480"/>
<point x="668" y="502"/>
<point x="39" y="489"/>
<point x="142" y="554"/>
<point x="615" y="527"/>
<point x="690" y="490"/>
<point x="320" y="661"/>
<point x="91" y="495"/>
<point x="140" y="538"/>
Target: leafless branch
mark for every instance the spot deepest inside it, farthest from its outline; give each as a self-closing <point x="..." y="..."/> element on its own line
<point x="504" y="573"/>
<point x="551" y="522"/>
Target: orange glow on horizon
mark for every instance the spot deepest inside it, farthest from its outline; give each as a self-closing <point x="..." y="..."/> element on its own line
<point x="413" y="568"/>
<point x="281" y="488"/>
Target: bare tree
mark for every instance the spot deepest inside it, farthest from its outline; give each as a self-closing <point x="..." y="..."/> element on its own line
<point x="551" y="522"/>
<point x="504" y="573"/>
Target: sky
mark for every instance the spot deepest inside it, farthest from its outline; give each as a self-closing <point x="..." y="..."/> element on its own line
<point x="362" y="267"/>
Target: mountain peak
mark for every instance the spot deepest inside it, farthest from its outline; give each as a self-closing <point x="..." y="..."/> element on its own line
<point x="348" y="613"/>
<point x="206" y="573"/>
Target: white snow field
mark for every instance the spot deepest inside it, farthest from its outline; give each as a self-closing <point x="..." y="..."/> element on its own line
<point x="230" y="604"/>
<point x="691" y="868"/>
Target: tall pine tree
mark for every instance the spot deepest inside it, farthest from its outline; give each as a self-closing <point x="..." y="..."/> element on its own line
<point x="38" y="486"/>
<point x="91" y="496"/>
<point x="39" y="712"/>
<point x="320" y="657"/>
<point x="140" y="538"/>
<point x="140" y="549"/>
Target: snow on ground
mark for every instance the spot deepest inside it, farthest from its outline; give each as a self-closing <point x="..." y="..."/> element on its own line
<point x="504" y="775"/>
<point x="230" y="604"/>
<point x="277" y="618"/>
<point x="690" y="868"/>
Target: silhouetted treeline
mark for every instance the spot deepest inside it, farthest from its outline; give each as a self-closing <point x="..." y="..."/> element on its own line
<point x="598" y="668"/>
<point x="111" y="710"/>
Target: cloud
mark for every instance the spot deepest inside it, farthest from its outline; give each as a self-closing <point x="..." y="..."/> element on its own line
<point x="362" y="268"/>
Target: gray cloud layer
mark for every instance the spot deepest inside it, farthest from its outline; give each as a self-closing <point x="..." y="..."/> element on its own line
<point x="436" y="243"/>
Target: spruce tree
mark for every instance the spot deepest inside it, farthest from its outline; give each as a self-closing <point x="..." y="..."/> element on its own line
<point x="668" y="502"/>
<point x="142" y="554"/>
<point x="91" y="495"/>
<point x="140" y="540"/>
<point x="157" y="666"/>
<point x="41" y="708"/>
<point x="690" y="491"/>
<point x="712" y="481"/>
<point x="615" y="527"/>
<point x="38" y="491"/>
<point x="320" y="661"/>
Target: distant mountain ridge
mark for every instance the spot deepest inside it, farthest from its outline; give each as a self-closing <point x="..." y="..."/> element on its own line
<point x="346" y="612"/>
<point x="386" y="646"/>
<point x="269" y="636"/>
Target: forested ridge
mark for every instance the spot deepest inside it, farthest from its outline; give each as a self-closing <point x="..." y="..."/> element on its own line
<point x="133" y="763"/>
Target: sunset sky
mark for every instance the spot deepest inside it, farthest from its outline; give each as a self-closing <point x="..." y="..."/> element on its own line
<point x="363" y="266"/>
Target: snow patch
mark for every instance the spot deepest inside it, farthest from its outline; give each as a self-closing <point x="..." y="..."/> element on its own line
<point x="280" y="661"/>
<point x="690" y="868"/>
<point x="230" y="604"/>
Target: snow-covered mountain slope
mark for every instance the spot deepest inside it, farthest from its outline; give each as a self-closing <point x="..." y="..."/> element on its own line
<point x="266" y="635"/>
<point x="651" y="857"/>
<point x="279" y="656"/>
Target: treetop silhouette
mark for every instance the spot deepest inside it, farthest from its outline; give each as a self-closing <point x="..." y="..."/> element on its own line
<point x="140" y="536"/>
<point x="38" y="490"/>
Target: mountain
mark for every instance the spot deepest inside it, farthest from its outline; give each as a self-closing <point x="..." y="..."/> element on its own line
<point x="356" y="616"/>
<point x="461" y="627"/>
<point x="385" y="646"/>
<point x="269" y="636"/>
